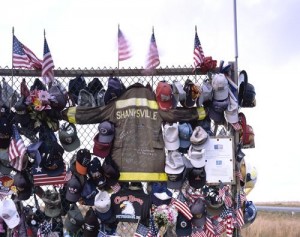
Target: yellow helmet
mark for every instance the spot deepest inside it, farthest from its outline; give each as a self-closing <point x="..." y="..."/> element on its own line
<point x="249" y="174"/>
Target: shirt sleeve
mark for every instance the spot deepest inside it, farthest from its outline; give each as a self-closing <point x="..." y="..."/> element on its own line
<point x="89" y="115"/>
<point x="181" y="114"/>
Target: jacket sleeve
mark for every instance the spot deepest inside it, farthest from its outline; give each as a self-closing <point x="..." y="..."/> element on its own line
<point x="182" y="114"/>
<point x="89" y="115"/>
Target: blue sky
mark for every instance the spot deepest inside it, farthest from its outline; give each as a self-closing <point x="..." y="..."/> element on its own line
<point x="83" y="34"/>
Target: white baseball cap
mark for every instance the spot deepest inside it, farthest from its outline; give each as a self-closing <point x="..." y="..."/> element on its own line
<point x="102" y="202"/>
<point x="9" y="213"/>
<point x="220" y="87"/>
<point x="171" y="136"/>
<point x="174" y="163"/>
<point x="197" y="157"/>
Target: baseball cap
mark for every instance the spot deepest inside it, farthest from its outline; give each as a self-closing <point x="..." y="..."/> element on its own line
<point x="218" y="117"/>
<point x="68" y="137"/>
<point x="83" y="159"/>
<point x="183" y="225"/>
<point x="115" y="89"/>
<point x="21" y="114"/>
<point x="206" y="93"/>
<point x="220" y="87"/>
<point x="106" y="132"/>
<point x="175" y="181"/>
<point x="5" y="167"/>
<point x="23" y="185"/>
<point x="197" y="177"/>
<point x="59" y="96"/>
<point x="110" y="171"/>
<point x="52" y="162"/>
<point x="91" y="224"/>
<point x="101" y="149"/>
<point x="199" y="137"/>
<point x="95" y="172"/>
<point x="52" y="202"/>
<point x="171" y="136"/>
<point x="174" y="163"/>
<point x="160" y="194"/>
<point x="89" y="192"/>
<point x="192" y="94"/>
<point x="178" y="93"/>
<point x="164" y="95"/>
<point x="33" y="150"/>
<point x="103" y="206"/>
<point x="185" y="132"/>
<point x="74" y="219"/>
<point x="231" y="113"/>
<point x="198" y="211"/>
<point x="196" y="157"/>
<point x="5" y="132"/>
<point x="9" y="213"/>
<point x="74" y="189"/>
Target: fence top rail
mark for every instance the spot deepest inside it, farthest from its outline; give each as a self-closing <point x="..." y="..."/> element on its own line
<point x="105" y="72"/>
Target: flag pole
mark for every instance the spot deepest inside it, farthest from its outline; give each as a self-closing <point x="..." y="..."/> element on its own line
<point x="118" y="47"/>
<point x="196" y="66"/>
<point x="12" y="58"/>
<point x="235" y="43"/>
<point x="151" y="66"/>
<point x="12" y="63"/>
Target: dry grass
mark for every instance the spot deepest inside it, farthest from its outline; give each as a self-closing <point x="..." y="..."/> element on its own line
<point x="279" y="204"/>
<point x="272" y="224"/>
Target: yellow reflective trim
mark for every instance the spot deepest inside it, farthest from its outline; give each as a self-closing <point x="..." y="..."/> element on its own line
<point x="71" y="114"/>
<point x="139" y="176"/>
<point x="201" y="113"/>
<point x="152" y="104"/>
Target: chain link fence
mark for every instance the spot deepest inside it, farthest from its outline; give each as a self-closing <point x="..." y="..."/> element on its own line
<point x="86" y="133"/>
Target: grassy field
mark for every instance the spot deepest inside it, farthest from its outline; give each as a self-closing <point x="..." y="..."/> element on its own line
<point x="274" y="224"/>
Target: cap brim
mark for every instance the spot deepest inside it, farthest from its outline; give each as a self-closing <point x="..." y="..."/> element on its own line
<point x="216" y="116"/>
<point x="199" y="222"/>
<point x="24" y="195"/>
<point x="102" y="149"/>
<point x="172" y="146"/>
<point x="106" y="139"/>
<point x="70" y="226"/>
<point x="104" y="216"/>
<point x="4" y="169"/>
<point x="80" y="168"/>
<point x="71" y="147"/>
<point x="72" y="197"/>
<point x="60" y="169"/>
<point x="165" y="105"/>
<point x="13" y="221"/>
<point x="174" y="184"/>
<point x="52" y="212"/>
<point x="184" y="143"/>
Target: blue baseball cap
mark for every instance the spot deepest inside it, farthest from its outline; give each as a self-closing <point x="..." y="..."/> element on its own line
<point x="185" y="132"/>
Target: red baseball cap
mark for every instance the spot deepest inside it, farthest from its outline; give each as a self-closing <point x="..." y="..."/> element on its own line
<point x="164" y="96"/>
<point x="101" y="149"/>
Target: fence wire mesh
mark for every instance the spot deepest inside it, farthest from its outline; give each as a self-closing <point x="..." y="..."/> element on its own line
<point x="86" y="133"/>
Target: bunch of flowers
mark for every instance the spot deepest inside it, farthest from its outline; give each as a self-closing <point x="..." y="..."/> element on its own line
<point x="40" y="109"/>
<point x="165" y="215"/>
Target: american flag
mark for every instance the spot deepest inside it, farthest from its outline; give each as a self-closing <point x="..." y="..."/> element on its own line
<point x="116" y="188"/>
<point x="123" y="47"/>
<point x="198" y="232"/>
<point x="198" y="52"/>
<point x="153" y="232"/>
<point x="209" y="228"/>
<point x="48" y="65"/>
<point x="153" y="57"/>
<point x="141" y="231"/>
<point x="227" y="216"/>
<point x="239" y="212"/>
<point x="16" y="150"/>
<point x="182" y="206"/>
<point x="224" y="194"/>
<point x="40" y="177"/>
<point x="23" y="57"/>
